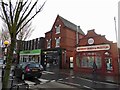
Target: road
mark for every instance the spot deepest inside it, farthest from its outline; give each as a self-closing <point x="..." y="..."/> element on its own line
<point x="57" y="78"/>
<point x="68" y="77"/>
<point x="36" y="83"/>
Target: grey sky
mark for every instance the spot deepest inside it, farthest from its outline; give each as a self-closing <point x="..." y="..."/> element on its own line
<point x="89" y="14"/>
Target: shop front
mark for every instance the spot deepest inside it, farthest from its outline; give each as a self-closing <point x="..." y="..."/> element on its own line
<point x="30" y="55"/>
<point x="53" y="57"/>
<point x="95" y="48"/>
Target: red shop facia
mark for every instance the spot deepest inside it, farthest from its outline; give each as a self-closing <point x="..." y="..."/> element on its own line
<point x="96" y="48"/>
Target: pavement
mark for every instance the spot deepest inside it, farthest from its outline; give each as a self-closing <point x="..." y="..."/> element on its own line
<point x="52" y="85"/>
<point x="99" y="77"/>
<point x="114" y="79"/>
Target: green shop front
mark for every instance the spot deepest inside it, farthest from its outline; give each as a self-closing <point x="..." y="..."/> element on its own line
<point x="30" y="55"/>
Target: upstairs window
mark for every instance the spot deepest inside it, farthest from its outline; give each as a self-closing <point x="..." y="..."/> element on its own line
<point x="49" y="43"/>
<point x="58" y="29"/>
<point x="58" y="41"/>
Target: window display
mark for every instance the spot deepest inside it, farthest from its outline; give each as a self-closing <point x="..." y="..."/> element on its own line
<point x="87" y="60"/>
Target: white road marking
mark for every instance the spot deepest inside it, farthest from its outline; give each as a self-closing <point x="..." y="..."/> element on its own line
<point x="60" y="79"/>
<point x="45" y="72"/>
<point x="30" y="83"/>
<point x="66" y="78"/>
<point x="85" y="79"/>
<point x="70" y="83"/>
<point x="74" y="84"/>
<point x="87" y="87"/>
<point x="52" y="80"/>
<point x="43" y="80"/>
<point x="73" y="77"/>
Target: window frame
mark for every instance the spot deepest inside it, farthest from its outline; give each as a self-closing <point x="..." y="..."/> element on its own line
<point x="49" y="43"/>
<point x="57" y="29"/>
<point x="57" y="42"/>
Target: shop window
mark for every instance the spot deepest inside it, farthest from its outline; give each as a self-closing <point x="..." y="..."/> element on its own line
<point x="87" y="60"/>
<point x="90" y="61"/>
<point x="84" y="62"/>
<point x="98" y="61"/>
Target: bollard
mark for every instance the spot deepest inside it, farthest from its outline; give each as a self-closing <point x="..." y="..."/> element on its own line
<point x="2" y="75"/>
<point x="11" y="82"/>
<point x="3" y="68"/>
<point x="17" y="87"/>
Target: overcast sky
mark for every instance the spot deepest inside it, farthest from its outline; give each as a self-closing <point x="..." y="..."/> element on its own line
<point x="89" y="14"/>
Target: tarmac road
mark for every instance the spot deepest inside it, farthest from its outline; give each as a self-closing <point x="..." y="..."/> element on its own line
<point x="76" y="79"/>
<point x="64" y="79"/>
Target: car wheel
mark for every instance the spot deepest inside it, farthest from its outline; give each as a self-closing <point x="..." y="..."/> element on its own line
<point x="23" y="76"/>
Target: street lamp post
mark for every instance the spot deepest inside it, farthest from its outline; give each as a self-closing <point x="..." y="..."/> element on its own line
<point x="5" y="51"/>
<point x="5" y="57"/>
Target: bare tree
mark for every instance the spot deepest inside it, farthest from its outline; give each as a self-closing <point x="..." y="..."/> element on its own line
<point x="24" y="34"/>
<point x="5" y="33"/>
<point x="14" y="16"/>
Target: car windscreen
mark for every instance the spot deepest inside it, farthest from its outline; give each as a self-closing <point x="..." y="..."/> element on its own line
<point x="34" y="65"/>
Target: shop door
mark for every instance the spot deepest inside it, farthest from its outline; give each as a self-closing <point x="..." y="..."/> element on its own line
<point x="52" y="59"/>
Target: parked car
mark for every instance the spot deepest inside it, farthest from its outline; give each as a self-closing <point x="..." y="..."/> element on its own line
<point x="28" y="70"/>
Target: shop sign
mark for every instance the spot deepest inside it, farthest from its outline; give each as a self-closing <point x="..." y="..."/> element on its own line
<point x="31" y="52"/>
<point x="93" y="48"/>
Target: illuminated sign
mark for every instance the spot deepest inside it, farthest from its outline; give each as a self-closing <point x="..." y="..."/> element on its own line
<point x="93" y="48"/>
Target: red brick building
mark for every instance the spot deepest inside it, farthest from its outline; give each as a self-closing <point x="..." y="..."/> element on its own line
<point x="61" y="41"/>
<point x="96" y="48"/>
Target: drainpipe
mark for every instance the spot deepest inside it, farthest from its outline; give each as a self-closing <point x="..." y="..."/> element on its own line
<point x="51" y="38"/>
<point x="117" y="40"/>
<point x="77" y="36"/>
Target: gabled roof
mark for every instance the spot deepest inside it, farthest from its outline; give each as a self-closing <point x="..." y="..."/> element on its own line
<point x="71" y="25"/>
